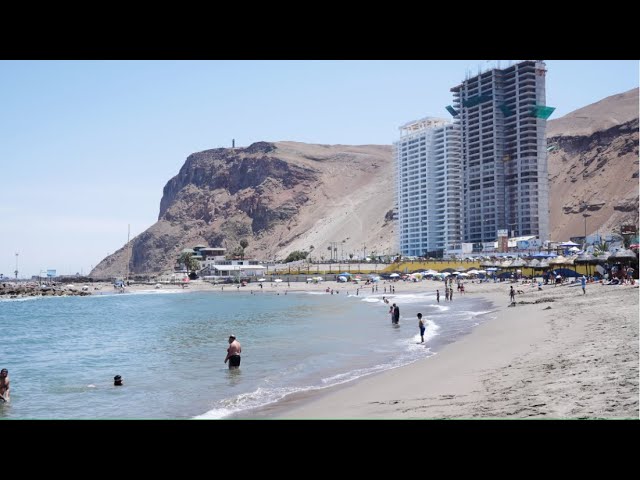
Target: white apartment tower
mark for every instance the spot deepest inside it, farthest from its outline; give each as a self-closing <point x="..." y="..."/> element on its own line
<point x="502" y="118"/>
<point x="428" y="186"/>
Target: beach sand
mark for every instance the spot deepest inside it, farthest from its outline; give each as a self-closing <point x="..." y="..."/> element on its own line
<point x="568" y="356"/>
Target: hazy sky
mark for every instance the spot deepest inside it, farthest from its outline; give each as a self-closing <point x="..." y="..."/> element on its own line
<point x="86" y="147"/>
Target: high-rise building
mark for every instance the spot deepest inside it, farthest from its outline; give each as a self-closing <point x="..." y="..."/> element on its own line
<point x="429" y="186"/>
<point x="502" y="118"/>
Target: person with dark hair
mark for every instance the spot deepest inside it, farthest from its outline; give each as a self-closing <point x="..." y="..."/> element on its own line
<point x="233" y="353"/>
<point x="421" y="326"/>
<point x="117" y="381"/>
<point x="4" y="385"/>
<point x="396" y="314"/>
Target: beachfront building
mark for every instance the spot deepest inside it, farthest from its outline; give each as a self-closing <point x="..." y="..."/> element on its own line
<point x="502" y="118"/>
<point x="213" y="264"/>
<point x="428" y="186"/>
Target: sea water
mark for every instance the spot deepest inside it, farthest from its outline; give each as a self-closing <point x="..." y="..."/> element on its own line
<point x="169" y="347"/>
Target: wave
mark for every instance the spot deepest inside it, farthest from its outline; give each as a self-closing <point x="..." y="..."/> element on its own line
<point x="262" y="397"/>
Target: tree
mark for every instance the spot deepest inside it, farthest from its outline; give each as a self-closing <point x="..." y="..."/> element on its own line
<point x="330" y="248"/>
<point x="351" y="256"/>
<point x="243" y="244"/>
<point x="294" y="256"/>
<point x="600" y="248"/>
<point x="190" y="263"/>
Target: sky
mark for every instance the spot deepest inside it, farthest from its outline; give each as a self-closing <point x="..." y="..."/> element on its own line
<point x="86" y="147"/>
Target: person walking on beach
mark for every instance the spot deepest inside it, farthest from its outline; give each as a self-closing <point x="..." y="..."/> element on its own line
<point x="4" y="385"/>
<point x="233" y="353"/>
<point x="391" y="311"/>
<point x="451" y="294"/>
<point x="512" y="294"/>
<point x="438" y="296"/>
<point x="421" y="327"/>
<point x="583" y="281"/>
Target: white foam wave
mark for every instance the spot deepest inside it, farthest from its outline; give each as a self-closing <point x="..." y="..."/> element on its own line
<point x="265" y="396"/>
<point x="372" y="300"/>
<point x="159" y="291"/>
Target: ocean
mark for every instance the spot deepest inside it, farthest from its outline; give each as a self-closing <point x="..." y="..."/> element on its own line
<point x="169" y="347"/>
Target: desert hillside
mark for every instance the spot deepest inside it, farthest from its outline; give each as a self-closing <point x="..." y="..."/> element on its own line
<point x="281" y="197"/>
<point x="593" y="167"/>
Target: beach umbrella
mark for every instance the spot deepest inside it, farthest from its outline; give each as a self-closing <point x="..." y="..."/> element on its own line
<point x="635" y="246"/>
<point x="535" y="263"/>
<point x="394" y="275"/>
<point x="559" y="260"/>
<point x="264" y="279"/>
<point x="278" y="280"/>
<point x="585" y="259"/>
<point x="623" y="256"/>
<point x="568" y="244"/>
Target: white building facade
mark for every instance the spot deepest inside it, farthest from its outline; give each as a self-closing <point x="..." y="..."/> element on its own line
<point x="428" y="186"/>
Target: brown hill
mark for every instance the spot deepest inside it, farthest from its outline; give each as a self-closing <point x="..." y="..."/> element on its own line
<point x="594" y="167"/>
<point x="281" y="197"/>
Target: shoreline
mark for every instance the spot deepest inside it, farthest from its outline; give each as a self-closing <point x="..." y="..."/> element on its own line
<point x="556" y="354"/>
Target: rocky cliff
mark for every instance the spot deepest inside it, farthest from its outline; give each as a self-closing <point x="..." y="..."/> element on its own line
<point x="281" y="197"/>
<point x="593" y="167"/>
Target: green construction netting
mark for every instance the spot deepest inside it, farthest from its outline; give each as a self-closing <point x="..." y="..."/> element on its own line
<point x="451" y="110"/>
<point x="542" y="111"/>
<point x="506" y="110"/>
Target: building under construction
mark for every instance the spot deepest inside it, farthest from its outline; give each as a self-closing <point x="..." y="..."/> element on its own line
<point x="502" y="116"/>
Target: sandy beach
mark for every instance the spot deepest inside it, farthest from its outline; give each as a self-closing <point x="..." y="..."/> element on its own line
<point x="556" y="354"/>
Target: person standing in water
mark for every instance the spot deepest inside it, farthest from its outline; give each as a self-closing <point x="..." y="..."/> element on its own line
<point x="421" y="326"/>
<point x="4" y="385"/>
<point x="233" y="353"/>
<point x="438" y="296"/>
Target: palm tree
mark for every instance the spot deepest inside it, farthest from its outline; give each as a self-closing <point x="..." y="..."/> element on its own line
<point x="330" y="250"/>
<point x="600" y="248"/>
<point x="190" y="263"/>
<point x="243" y="244"/>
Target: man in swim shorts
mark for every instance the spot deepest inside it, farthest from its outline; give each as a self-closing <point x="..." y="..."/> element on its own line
<point x="233" y="352"/>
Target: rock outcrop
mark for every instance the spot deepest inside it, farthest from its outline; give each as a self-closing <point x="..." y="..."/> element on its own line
<point x="593" y="167"/>
<point x="281" y="197"/>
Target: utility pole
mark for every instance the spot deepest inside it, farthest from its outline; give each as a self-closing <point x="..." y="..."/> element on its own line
<point x="585" y="215"/>
<point x="129" y="254"/>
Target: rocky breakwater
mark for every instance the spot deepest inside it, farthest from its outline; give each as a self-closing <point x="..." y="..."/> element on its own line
<point x="22" y="290"/>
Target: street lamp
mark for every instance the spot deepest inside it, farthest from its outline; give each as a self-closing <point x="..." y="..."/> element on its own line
<point x="585" y="215"/>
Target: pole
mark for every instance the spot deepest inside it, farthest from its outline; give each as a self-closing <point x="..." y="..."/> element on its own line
<point x="129" y="253"/>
